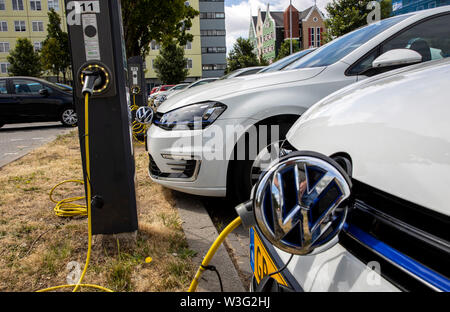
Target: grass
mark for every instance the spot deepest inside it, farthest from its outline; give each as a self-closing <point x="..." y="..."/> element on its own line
<point x="37" y="248"/>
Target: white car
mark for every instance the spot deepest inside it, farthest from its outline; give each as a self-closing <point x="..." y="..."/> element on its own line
<point x="196" y="121"/>
<point x="390" y="135"/>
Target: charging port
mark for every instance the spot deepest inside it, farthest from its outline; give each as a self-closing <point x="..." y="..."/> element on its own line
<point x="100" y="79"/>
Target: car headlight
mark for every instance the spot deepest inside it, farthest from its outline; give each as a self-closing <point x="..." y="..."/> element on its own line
<point x="195" y="116"/>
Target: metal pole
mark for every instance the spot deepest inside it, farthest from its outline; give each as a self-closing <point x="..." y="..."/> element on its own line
<point x="290" y="24"/>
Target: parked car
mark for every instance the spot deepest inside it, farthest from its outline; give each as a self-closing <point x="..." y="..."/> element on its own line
<point x="160" y="97"/>
<point x="286" y="61"/>
<point x="28" y="99"/>
<point x="194" y="84"/>
<point x="389" y="135"/>
<point x="242" y="72"/>
<point x="155" y="89"/>
<point x="277" y="99"/>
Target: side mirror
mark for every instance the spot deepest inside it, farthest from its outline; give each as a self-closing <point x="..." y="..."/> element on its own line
<point x="144" y="115"/>
<point x="397" y="57"/>
<point x="43" y="92"/>
<point x="300" y="204"/>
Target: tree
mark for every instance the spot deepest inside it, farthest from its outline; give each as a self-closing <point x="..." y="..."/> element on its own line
<point x="55" y="54"/>
<point x="170" y="65"/>
<point x="285" y="49"/>
<point x="345" y="16"/>
<point x="24" y="61"/>
<point x="241" y="55"/>
<point x="162" y="21"/>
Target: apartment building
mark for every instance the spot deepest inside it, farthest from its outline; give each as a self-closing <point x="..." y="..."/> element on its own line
<point x="206" y="54"/>
<point x="25" y="18"/>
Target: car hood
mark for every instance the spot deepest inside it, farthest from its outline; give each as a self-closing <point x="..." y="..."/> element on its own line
<point x="217" y="90"/>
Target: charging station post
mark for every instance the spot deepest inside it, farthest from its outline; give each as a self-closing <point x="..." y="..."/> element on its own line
<point x="97" y="47"/>
<point x="137" y="80"/>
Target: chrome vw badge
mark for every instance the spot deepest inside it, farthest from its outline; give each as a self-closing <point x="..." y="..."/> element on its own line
<point x="299" y="203"/>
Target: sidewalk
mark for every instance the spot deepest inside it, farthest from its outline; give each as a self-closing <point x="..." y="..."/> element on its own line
<point x="200" y="234"/>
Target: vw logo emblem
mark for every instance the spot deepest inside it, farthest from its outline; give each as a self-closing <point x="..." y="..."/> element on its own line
<point x="299" y="203"/>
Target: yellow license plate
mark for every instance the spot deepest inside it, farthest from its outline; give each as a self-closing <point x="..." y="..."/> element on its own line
<point x="264" y="265"/>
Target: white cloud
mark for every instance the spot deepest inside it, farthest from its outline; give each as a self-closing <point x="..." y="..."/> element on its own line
<point x="237" y="16"/>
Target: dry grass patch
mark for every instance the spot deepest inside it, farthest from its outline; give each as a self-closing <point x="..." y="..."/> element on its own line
<point x="36" y="246"/>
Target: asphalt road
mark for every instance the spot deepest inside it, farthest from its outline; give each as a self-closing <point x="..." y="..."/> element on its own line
<point x="19" y="139"/>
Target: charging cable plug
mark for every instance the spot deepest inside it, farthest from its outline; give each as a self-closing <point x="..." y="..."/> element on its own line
<point x="245" y="211"/>
<point x="92" y="79"/>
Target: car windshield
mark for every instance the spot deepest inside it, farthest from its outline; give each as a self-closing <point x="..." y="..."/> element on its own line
<point x="180" y="87"/>
<point x="342" y="46"/>
<point x="279" y="65"/>
<point x="230" y="74"/>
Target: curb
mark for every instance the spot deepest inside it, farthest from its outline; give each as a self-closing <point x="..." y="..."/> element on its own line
<point x="200" y="234"/>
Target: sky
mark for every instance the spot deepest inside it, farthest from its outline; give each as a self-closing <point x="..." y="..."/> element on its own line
<point x="237" y="14"/>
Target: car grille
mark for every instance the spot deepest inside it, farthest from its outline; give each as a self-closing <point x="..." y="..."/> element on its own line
<point x="410" y="242"/>
<point x="187" y="169"/>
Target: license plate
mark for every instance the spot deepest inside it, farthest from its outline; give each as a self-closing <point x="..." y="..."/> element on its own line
<point x="264" y="265"/>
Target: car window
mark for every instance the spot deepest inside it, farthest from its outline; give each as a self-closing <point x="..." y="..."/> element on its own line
<point x="28" y="87"/>
<point x="430" y="38"/>
<point x="284" y="62"/>
<point x="342" y="46"/>
<point x="3" y="89"/>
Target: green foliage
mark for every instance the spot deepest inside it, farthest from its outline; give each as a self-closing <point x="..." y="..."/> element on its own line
<point x="163" y="21"/>
<point x="285" y="49"/>
<point x="24" y="60"/>
<point x="170" y="64"/>
<point x="55" y="53"/>
<point x="242" y="56"/>
<point x="345" y="16"/>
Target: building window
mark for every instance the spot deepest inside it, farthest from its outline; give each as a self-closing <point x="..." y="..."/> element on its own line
<point x="37" y="26"/>
<point x="214" y="67"/>
<point x="37" y="46"/>
<point x="4" y="47"/>
<point x="2" y="5"/>
<point x="221" y="66"/>
<point x="318" y="34"/>
<point x="35" y="5"/>
<point x="210" y="33"/>
<point x="154" y="45"/>
<point x="17" y="5"/>
<point x="212" y="15"/>
<point x="53" y="4"/>
<point x="188" y="46"/>
<point x="3" y="26"/>
<point x="4" y="68"/>
<point x="311" y="37"/>
<point x="19" y="26"/>
<point x="189" y="63"/>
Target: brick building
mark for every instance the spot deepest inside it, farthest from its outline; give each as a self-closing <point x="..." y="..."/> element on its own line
<point x="270" y="28"/>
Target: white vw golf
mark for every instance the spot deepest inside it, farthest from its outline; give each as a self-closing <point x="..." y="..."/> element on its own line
<point x="210" y="140"/>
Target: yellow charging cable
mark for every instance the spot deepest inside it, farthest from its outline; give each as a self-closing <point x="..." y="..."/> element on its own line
<point x="69" y="210"/>
<point x="66" y="208"/>
<point x="212" y="251"/>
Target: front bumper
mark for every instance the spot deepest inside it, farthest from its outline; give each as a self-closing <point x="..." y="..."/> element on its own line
<point x="336" y="270"/>
<point x="184" y="160"/>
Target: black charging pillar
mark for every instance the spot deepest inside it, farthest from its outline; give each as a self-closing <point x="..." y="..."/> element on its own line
<point x="136" y="74"/>
<point x="97" y="43"/>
